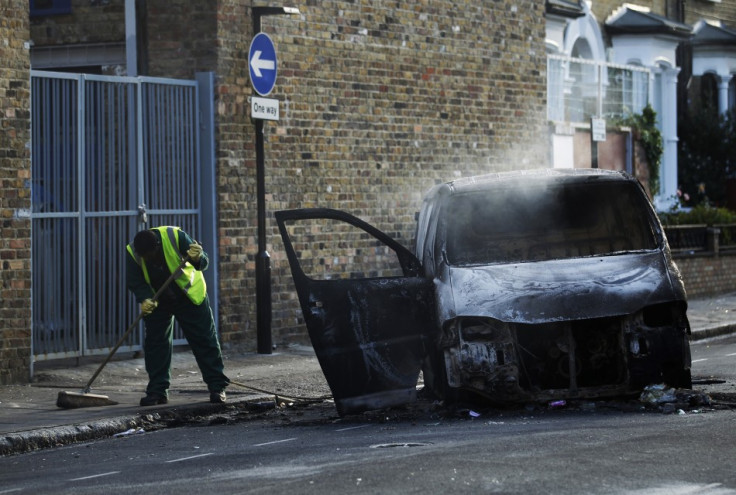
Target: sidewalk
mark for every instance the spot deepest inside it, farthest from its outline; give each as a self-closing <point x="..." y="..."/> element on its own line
<point x="30" y="419"/>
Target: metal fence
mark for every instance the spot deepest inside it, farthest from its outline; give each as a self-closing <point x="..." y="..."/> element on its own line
<point x="701" y="238"/>
<point x="687" y="238"/>
<point x="108" y="155"/>
<point x="579" y="89"/>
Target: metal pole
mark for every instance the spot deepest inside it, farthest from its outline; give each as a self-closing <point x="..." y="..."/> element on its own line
<point x="131" y="39"/>
<point x="593" y="142"/>
<point x="593" y="151"/>
<point x="263" y="259"/>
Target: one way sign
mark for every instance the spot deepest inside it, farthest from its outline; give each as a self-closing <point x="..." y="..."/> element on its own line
<point x="262" y="64"/>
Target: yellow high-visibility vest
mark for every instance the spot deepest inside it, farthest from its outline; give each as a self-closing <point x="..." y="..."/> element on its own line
<point x="191" y="280"/>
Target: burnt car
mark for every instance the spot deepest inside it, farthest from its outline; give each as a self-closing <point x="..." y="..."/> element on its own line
<point x="523" y="286"/>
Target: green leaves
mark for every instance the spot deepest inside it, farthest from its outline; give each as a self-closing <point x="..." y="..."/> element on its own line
<point x="646" y="132"/>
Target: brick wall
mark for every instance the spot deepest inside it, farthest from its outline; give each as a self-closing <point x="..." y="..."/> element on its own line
<point x="693" y="10"/>
<point x="725" y="11"/>
<point x="604" y="8"/>
<point x="379" y="101"/>
<point x="15" y="201"/>
<point x="236" y="175"/>
<point x="95" y="21"/>
<point x="177" y="37"/>
<point x="708" y="274"/>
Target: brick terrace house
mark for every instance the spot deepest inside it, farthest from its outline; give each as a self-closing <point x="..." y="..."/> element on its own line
<point x="378" y="101"/>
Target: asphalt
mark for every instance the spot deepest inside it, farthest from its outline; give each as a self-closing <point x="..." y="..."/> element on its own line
<point x="30" y="418"/>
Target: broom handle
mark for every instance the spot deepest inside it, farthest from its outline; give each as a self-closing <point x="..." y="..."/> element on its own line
<point x="155" y="297"/>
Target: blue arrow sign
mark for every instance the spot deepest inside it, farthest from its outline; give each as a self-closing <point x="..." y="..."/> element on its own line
<point x="262" y="64"/>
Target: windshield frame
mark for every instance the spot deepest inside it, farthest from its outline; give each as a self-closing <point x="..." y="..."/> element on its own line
<point x="641" y="208"/>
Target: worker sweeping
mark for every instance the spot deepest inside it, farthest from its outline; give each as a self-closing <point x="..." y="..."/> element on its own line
<point x="152" y="258"/>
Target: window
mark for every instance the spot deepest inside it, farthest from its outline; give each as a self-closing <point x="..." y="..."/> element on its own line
<point x="574" y="91"/>
<point x="709" y="91"/>
<point x="517" y="224"/>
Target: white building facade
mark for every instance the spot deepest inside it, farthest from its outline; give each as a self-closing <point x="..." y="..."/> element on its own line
<point x="637" y="67"/>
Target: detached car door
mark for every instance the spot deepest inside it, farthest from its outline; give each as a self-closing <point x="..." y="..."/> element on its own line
<point x="365" y="304"/>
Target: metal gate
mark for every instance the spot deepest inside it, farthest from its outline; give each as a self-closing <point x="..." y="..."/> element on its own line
<point x="110" y="156"/>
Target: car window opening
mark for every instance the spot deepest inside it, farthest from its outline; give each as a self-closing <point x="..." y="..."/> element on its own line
<point x="519" y="224"/>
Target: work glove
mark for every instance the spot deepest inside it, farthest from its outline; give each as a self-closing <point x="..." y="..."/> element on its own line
<point x="194" y="252"/>
<point x="148" y="306"/>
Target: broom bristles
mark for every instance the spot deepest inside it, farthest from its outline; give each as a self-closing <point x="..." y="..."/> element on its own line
<point x="73" y="400"/>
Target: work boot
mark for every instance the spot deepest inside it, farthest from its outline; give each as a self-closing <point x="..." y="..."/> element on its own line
<point x="218" y="397"/>
<point x="153" y="399"/>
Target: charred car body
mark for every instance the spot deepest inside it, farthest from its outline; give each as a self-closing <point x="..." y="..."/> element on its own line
<point x="524" y="286"/>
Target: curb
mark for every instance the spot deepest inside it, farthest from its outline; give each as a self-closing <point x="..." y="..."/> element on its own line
<point x="165" y="417"/>
<point x="717" y="331"/>
<point x="27" y="441"/>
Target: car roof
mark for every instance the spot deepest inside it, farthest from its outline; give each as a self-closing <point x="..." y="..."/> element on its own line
<point x="527" y="177"/>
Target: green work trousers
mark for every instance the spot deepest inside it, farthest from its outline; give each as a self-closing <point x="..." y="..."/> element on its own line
<point x="198" y="326"/>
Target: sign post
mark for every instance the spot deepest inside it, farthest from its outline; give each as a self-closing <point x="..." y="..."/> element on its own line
<point x="262" y="67"/>
<point x="597" y="134"/>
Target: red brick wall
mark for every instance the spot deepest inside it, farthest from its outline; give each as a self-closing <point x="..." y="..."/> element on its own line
<point x="15" y="200"/>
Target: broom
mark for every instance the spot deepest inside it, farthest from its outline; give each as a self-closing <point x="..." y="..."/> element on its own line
<point x="72" y="400"/>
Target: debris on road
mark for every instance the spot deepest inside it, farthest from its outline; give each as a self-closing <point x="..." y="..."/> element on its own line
<point x="131" y="431"/>
<point x="658" y="394"/>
